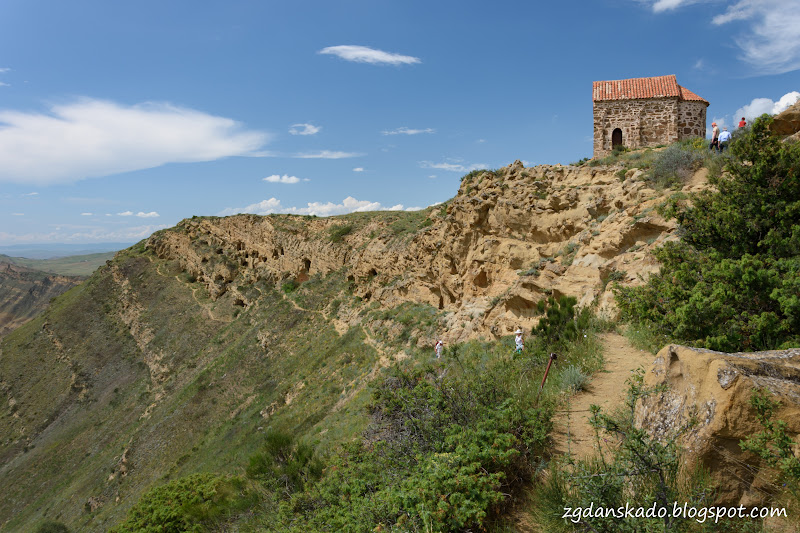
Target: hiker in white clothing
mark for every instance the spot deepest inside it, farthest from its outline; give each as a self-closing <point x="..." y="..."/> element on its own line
<point x="518" y="341"/>
<point x="438" y="348"/>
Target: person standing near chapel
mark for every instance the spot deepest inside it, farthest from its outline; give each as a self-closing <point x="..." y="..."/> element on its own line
<point x="724" y="138"/>
<point x="714" y="137"/>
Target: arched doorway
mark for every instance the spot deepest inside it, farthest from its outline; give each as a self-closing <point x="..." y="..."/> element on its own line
<point x="616" y="138"/>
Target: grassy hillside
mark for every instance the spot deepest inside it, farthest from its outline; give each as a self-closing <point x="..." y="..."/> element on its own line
<point x="136" y="376"/>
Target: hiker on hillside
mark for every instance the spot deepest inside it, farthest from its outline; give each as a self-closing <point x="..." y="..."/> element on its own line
<point x="714" y="137"/>
<point x="438" y="348"/>
<point x="724" y="138"/>
<point x="742" y="123"/>
<point x="518" y="341"/>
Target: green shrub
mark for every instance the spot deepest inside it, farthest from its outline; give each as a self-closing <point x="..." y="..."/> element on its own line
<point x="444" y="453"/>
<point x="337" y="233"/>
<point x="52" y="527"/>
<point x="674" y="165"/>
<point x="289" y="286"/>
<point x="560" y="322"/>
<point x="189" y="504"/>
<point x="772" y="444"/>
<point x="733" y="281"/>
<point x="573" y="379"/>
<point x="284" y="466"/>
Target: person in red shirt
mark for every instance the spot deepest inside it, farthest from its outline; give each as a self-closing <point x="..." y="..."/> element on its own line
<point x="742" y="123"/>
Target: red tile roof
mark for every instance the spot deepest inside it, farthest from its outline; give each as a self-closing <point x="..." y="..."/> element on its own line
<point x="635" y="88"/>
<point x="686" y="94"/>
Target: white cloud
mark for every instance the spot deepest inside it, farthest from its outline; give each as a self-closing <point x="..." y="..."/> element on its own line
<point x="759" y="106"/>
<point x="771" y="44"/>
<point x="86" y="214"/>
<point x="358" y="169"/>
<point x="348" y="205"/>
<point x="3" y="84"/>
<point x="363" y="54"/>
<point x="90" y="234"/>
<point x="3" y="70"/>
<point x="770" y="40"/>
<point x="18" y="214"/>
<point x="275" y="178"/>
<point x="452" y="167"/>
<point x="432" y="176"/>
<point x="666" y="5"/>
<point x="125" y="214"/>
<point x="92" y="138"/>
<point x="407" y="131"/>
<point x="326" y="154"/>
<point x="30" y="194"/>
<point x="304" y="129"/>
<point x="151" y="214"/>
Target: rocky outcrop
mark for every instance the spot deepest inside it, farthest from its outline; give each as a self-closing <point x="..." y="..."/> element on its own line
<point x="787" y="122"/>
<point x="707" y="397"/>
<point x="508" y="239"/>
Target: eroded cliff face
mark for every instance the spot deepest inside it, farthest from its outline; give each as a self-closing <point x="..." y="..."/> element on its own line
<point x="507" y="240"/>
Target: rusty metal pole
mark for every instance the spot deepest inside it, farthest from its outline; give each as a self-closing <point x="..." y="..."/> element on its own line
<point x="553" y="357"/>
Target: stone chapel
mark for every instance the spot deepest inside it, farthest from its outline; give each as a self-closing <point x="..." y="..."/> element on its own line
<point x="641" y="112"/>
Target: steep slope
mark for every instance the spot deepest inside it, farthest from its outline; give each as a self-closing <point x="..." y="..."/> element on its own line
<point x="25" y="292"/>
<point x="176" y="356"/>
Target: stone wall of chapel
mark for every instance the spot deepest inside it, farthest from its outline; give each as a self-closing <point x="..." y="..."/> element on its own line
<point x="691" y="119"/>
<point x="644" y="122"/>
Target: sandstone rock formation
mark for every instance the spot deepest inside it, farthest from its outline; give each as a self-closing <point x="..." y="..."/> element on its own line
<point x="509" y="238"/>
<point x="787" y="122"/>
<point x="708" y="395"/>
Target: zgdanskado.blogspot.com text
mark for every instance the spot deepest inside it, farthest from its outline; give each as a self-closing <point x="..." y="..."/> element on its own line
<point x="676" y="510"/>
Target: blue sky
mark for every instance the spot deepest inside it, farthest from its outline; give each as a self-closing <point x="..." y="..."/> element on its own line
<point x="120" y="118"/>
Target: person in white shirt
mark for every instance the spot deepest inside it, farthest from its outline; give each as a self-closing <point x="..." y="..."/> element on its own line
<point x="518" y="341"/>
<point x="438" y="348"/>
<point x="724" y="138"/>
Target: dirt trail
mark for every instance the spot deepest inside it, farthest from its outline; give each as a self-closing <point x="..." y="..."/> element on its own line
<point x="572" y="431"/>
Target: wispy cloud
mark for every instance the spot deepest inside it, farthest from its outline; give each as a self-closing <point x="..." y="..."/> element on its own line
<point x="348" y="205"/>
<point x="358" y="169"/>
<point x="455" y="166"/>
<point x="326" y="154"/>
<point x="667" y="5"/>
<point x="304" y="129"/>
<point x="140" y="214"/>
<point x="275" y="178"/>
<point x="407" y="131"/>
<point x="30" y="194"/>
<point x="89" y="234"/>
<point x="770" y="43"/>
<point x="759" y="106"/>
<point x="92" y="138"/>
<point x="87" y="214"/>
<point x="364" y="54"/>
